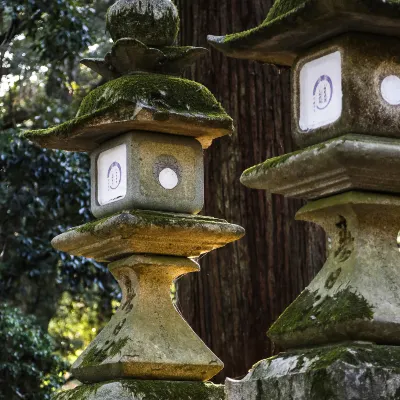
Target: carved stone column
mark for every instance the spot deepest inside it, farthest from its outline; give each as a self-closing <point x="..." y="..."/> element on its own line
<point x="145" y="129"/>
<point x="342" y="333"/>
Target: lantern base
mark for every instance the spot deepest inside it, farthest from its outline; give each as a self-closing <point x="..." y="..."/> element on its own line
<point x="136" y="390"/>
<point x="356" y="371"/>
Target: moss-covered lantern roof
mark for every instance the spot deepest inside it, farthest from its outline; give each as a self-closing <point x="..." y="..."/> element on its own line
<point x="144" y="102"/>
<point x="294" y="25"/>
<point x="144" y="91"/>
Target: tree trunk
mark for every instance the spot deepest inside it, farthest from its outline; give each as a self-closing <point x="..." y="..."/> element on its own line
<point x="243" y="288"/>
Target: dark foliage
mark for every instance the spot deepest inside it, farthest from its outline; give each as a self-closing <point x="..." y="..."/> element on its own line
<point x="29" y="369"/>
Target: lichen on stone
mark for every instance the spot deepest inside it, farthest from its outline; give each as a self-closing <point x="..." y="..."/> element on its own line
<point x="356" y="354"/>
<point x="152" y="390"/>
<point x="310" y="311"/>
<point x="277" y="161"/>
<point x="122" y="98"/>
<point x="145" y="390"/>
<point x="153" y="217"/>
<point x="96" y="356"/>
<point x="283" y="7"/>
<point x="163" y="92"/>
<point x="280" y="10"/>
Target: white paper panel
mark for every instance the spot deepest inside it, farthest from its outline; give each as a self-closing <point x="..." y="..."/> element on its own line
<point x="112" y="175"/>
<point x="321" y="92"/>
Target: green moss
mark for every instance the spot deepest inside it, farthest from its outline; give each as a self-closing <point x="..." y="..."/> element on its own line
<point x="155" y="218"/>
<point x="352" y="353"/>
<point x="81" y="393"/>
<point x="96" y="356"/>
<point x="163" y="92"/>
<point x="65" y="128"/>
<point x="154" y="390"/>
<point x="118" y="99"/>
<point x="355" y="354"/>
<point x="306" y="21"/>
<point x="282" y="8"/>
<point x="277" y="161"/>
<point x="320" y="366"/>
<point x="149" y="390"/>
<point x="308" y="311"/>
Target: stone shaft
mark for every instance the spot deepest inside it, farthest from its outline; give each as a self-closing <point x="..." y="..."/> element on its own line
<point x="356" y="294"/>
<point x="147" y="338"/>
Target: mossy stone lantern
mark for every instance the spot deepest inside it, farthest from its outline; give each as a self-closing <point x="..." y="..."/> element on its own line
<point x="342" y="333"/>
<point x="145" y="129"/>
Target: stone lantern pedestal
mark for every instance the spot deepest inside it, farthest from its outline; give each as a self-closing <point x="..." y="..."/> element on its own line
<point x="145" y="129"/>
<point x="341" y="334"/>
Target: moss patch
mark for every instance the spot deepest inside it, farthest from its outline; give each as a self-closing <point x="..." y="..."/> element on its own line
<point x="175" y="390"/>
<point x="309" y="311"/>
<point x="155" y="90"/>
<point x="280" y="10"/>
<point x="81" y="393"/>
<point x="277" y="161"/>
<point x="119" y="98"/>
<point x="355" y="354"/>
<point x="359" y="364"/>
<point x="96" y="356"/>
<point x="283" y="7"/>
<point x="148" y="390"/>
<point x="153" y="217"/>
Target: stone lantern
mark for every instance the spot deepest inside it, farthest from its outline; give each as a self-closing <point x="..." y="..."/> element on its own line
<point x="342" y="334"/>
<point x="145" y="129"/>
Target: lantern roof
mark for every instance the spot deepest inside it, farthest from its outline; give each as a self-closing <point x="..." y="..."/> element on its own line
<point x="292" y="26"/>
<point x="144" y="91"/>
<point x="142" y="102"/>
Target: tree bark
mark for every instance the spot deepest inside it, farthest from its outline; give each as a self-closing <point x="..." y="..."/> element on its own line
<point x="243" y="288"/>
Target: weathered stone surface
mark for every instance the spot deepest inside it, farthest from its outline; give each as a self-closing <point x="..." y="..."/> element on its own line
<point x="128" y="389"/>
<point x="147" y="338"/>
<point x="350" y="162"/>
<point x="151" y="232"/>
<point x="146" y="157"/>
<point x="352" y="371"/>
<point x="356" y="294"/>
<point x="153" y="22"/>
<point x="295" y="25"/>
<point x="365" y="61"/>
<point x="144" y="102"/>
<point x="130" y="55"/>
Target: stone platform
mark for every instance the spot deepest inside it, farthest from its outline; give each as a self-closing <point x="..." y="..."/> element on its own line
<point x="356" y="371"/>
<point x="144" y="390"/>
<point x="147" y="232"/>
<point x="350" y="162"/>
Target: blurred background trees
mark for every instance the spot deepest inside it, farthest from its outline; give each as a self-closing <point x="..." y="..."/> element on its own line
<point x="44" y="192"/>
<point x="241" y="290"/>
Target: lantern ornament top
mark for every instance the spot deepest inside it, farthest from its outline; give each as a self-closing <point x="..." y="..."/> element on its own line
<point x="295" y="25"/>
<point x="144" y="91"/>
<point x="154" y="23"/>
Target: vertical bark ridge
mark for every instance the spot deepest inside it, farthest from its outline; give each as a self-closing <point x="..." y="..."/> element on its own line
<point x="244" y="287"/>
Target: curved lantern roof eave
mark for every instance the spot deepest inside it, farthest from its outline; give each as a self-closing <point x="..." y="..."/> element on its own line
<point x="292" y="26"/>
<point x="142" y="102"/>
